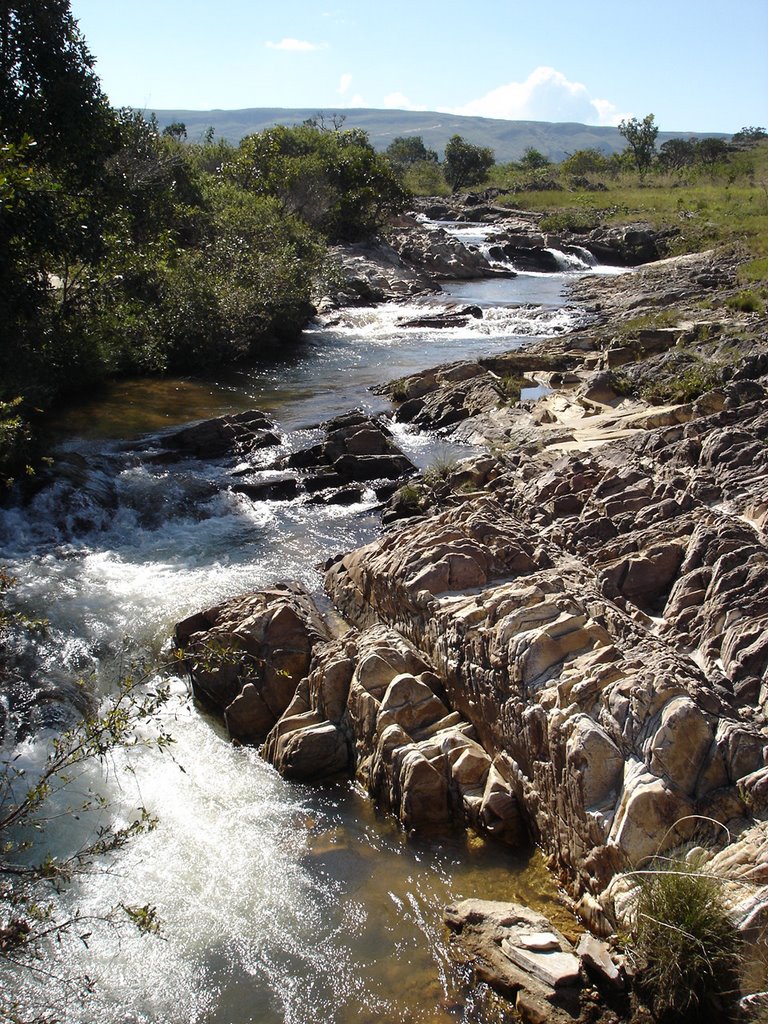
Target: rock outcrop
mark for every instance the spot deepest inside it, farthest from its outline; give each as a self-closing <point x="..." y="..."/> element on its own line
<point x="564" y="641"/>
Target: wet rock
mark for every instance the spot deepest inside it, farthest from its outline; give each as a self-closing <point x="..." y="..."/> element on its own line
<point x="520" y="954"/>
<point x="357" y="449"/>
<point x="446" y="319"/>
<point x="531" y="258"/>
<point x="372" y="467"/>
<point x="440" y="255"/>
<point x="282" y="488"/>
<point x="235" y="435"/>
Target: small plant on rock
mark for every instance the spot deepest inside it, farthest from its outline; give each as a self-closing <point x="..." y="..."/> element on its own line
<point x="687" y="947"/>
<point x="439" y="471"/>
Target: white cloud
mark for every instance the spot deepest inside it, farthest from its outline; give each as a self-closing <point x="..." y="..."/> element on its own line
<point x="399" y="101"/>
<point x="357" y="101"/>
<point x="295" y="45"/>
<point x="344" y="83"/>
<point x="545" y="95"/>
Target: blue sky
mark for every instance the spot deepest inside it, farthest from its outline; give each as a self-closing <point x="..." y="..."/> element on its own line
<point x="698" y="65"/>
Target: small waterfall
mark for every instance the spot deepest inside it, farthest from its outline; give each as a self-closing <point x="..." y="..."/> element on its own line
<point x="572" y="258"/>
<point x="589" y="259"/>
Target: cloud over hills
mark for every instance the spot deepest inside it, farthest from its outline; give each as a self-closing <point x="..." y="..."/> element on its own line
<point x="545" y="95"/>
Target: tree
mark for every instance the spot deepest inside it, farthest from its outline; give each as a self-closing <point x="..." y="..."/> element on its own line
<point x="48" y="88"/>
<point x="677" y="153"/>
<point x="710" y="151"/>
<point x="405" y="151"/>
<point x="333" y="180"/>
<point x="466" y="164"/>
<point x="641" y="136"/>
<point x="176" y="130"/>
<point x="532" y="159"/>
<point x="750" y="134"/>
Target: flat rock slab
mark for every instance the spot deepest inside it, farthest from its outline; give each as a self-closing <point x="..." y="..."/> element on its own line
<point x="553" y="967"/>
<point x="544" y="983"/>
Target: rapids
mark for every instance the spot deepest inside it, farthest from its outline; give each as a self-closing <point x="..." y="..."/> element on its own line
<point x="278" y="902"/>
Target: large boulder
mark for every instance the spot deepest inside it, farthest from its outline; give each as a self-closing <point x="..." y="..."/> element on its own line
<point x="246" y="657"/>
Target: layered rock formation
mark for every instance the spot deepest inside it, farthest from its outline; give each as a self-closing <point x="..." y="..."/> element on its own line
<point x="566" y="642"/>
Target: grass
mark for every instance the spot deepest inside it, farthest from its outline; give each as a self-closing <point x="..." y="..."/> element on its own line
<point x="512" y="384"/>
<point x="724" y="204"/>
<point x="656" y="320"/>
<point x="439" y="471"/>
<point x="687" y="947"/>
<point x="746" y="302"/>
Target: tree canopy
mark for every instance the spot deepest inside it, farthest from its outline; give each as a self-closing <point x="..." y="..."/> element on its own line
<point x="641" y="138"/>
<point x="466" y="164"/>
<point x="407" y="150"/>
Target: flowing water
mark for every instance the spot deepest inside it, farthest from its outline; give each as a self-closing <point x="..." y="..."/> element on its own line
<point x="279" y="902"/>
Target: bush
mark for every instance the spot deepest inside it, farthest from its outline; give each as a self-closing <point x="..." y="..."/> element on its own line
<point x="746" y="302"/>
<point x="687" y="946"/>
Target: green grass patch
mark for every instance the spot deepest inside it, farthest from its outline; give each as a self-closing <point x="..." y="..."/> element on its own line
<point x="656" y="320"/>
<point x="690" y="384"/>
<point x="725" y="204"/>
<point x="746" y="302"/>
<point x="687" y="946"/>
<point x="439" y="471"/>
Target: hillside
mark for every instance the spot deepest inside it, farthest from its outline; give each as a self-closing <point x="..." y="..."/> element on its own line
<point x="508" y="139"/>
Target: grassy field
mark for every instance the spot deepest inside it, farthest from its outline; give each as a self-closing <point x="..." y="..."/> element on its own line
<point x="722" y="205"/>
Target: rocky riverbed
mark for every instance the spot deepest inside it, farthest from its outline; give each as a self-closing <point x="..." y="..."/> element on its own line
<point x="563" y="640"/>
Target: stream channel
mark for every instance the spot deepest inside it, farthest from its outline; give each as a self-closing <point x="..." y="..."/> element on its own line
<point x="278" y="902"/>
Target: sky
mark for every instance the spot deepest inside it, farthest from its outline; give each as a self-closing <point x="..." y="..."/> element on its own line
<point x="697" y="65"/>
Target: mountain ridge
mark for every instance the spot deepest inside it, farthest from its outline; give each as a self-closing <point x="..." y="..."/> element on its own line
<point x="508" y="139"/>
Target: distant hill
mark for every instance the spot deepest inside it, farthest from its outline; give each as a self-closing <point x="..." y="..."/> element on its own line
<point x="508" y="139"/>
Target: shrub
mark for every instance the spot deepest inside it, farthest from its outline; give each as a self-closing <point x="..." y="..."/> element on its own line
<point x="746" y="302"/>
<point x="439" y="471"/>
<point x="687" y="946"/>
<point x="410" y="500"/>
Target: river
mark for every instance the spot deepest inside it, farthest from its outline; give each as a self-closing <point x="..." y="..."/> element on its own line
<point x="278" y="902"/>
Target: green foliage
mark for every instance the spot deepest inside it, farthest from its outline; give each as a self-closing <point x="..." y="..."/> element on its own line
<point x="411" y="500"/>
<point x="687" y="946"/>
<point x="69" y="783"/>
<point x="425" y="179"/>
<point x="438" y="471"/>
<point x="18" y="451"/>
<point x="580" y="218"/>
<point x="465" y="164"/>
<point x="686" y="385"/>
<point x="406" y="150"/>
<point x="512" y="384"/>
<point x="746" y="301"/>
<point x="641" y="139"/>
<point x="585" y="161"/>
<point x="333" y="180"/>
<point x="533" y="160"/>
<point x="677" y="153"/>
<point x="48" y="89"/>
<point x="750" y="134"/>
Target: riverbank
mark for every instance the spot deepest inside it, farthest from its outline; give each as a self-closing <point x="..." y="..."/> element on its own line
<point x="562" y="639"/>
